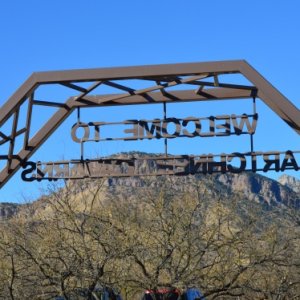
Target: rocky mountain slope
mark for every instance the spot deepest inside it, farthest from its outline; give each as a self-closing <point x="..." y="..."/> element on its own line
<point x="290" y="182"/>
<point x="264" y="190"/>
<point x="254" y="187"/>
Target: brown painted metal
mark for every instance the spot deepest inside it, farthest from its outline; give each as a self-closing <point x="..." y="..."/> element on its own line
<point x="162" y="76"/>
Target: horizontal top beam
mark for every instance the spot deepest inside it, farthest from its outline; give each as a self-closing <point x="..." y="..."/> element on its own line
<point x="116" y="73"/>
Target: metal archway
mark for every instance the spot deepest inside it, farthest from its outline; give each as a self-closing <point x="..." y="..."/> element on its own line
<point x="163" y="78"/>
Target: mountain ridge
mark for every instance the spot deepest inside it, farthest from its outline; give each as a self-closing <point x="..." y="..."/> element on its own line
<point x="255" y="187"/>
<point x="284" y="192"/>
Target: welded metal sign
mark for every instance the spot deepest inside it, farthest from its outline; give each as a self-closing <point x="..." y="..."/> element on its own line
<point x="167" y="128"/>
<point x="141" y="85"/>
<point x="172" y="165"/>
<point x="212" y="126"/>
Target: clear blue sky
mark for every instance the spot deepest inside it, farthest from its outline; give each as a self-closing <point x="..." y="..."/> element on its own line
<point x="64" y="34"/>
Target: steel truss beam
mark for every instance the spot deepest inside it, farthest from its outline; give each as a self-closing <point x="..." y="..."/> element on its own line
<point x="163" y="77"/>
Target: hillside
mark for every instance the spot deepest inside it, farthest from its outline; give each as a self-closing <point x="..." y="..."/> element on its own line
<point x="233" y="236"/>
